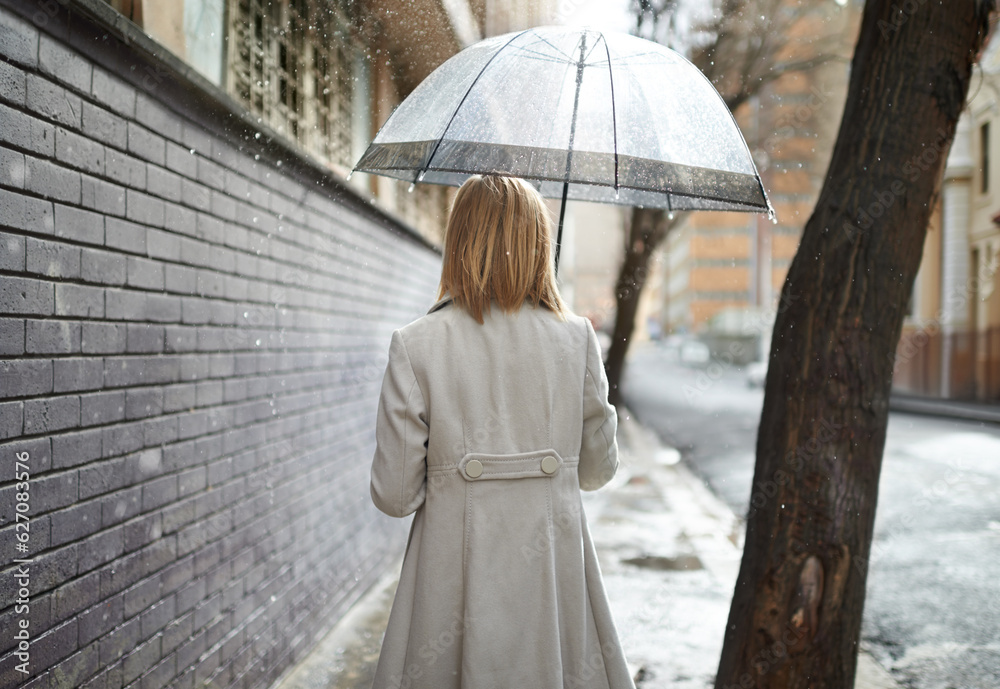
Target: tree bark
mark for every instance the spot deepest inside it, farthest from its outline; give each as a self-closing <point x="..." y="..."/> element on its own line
<point x="796" y="613"/>
<point x="648" y="227"/>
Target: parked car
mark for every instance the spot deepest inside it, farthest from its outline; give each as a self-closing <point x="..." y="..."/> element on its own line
<point x="756" y="374"/>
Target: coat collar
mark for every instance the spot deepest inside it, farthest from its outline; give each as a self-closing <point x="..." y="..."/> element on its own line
<point x="440" y="304"/>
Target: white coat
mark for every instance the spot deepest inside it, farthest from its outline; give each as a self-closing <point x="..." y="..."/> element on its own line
<point x="488" y="432"/>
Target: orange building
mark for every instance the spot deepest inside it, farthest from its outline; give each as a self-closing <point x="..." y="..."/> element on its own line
<point x="724" y="262"/>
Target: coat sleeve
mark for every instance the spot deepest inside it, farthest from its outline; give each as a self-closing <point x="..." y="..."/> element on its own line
<point x="599" y="449"/>
<point x="399" y="469"/>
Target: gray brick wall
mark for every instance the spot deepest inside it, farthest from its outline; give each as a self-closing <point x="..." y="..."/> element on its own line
<point x="192" y="339"/>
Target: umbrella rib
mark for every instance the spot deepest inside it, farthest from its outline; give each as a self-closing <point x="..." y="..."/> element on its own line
<point x="437" y="145"/>
<point x="547" y="42"/>
<point x="614" y="116"/>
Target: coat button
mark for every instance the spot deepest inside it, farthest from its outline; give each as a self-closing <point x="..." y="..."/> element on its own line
<point x="474" y="469"/>
<point x="550" y="464"/>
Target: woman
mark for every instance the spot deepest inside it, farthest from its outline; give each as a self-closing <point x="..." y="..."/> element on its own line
<point x="493" y="416"/>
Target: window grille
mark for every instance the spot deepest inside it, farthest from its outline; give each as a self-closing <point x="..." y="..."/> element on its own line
<point x="292" y="63"/>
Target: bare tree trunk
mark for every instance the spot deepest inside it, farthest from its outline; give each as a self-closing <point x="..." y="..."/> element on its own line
<point x="649" y="226"/>
<point x="796" y="614"/>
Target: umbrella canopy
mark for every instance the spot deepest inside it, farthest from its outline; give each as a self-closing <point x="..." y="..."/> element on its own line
<point x="621" y="119"/>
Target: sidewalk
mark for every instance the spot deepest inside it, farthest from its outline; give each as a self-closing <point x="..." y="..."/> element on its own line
<point x="670" y="553"/>
<point x="954" y="409"/>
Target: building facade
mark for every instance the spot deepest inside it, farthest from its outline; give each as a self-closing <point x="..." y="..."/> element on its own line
<point x="721" y="265"/>
<point x="951" y="340"/>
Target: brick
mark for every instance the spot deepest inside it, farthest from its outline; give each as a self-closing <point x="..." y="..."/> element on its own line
<point x="157" y="117"/>
<point x="104" y="477"/>
<point x="191" y="481"/>
<point x="146" y="144"/>
<point x="25" y="213"/>
<point x="163" y="245"/>
<point x="160" y="431"/>
<point x="61" y="63"/>
<point x="158" y="616"/>
<point x="102" y="267"/>
<point x="25" y="131"/>
<point x="141" y="659"/>
<point x="144" y="402"/>
<point x="12" y="83"/>
<point x="102" y="338"/>
<point x="180" y="339"/>
<point x="51" y="181"/>
<point x="102" y="196"/>
<point x="211" y="284"/>
<point x="124" y="235"/>
<point x="52" y="259"/>
<point x="81" y="225"/>
<point x="113" y="92"/>
<point x="180" y="159"/>
<point x="11" y="337"/>
<point x="122" y="305"/>
<point x="12" y="252"/>
<point x="120" y="641"/>
<point x="144" y="208"/>
<point x="73" y="375"/>
<point x="143" y="531"/>
<point x="102" y="407"/>
<point x="163" y="308"/>
<point x="11" y="419"/>
<point x="100" y="619"/>
<point x="124" y="169"/>
<point x="181" y="279"/>
<point x="54" y="567"/>
<point x="77" y="668"/>
<point x="23" y="377"/>
<point x="18" y="40"/>
<point x="122" y="439"/>
<point x="223" y="205"/>
<point x="79" y="300"/>
<point x="24" y="295"/>
<point x="52" y="337"/>
<point x="104" y="126"/>
<point x="79" y="152"/>
<point x="76" y="522"/>
<point x="159" y="492"/>
<point x="55" y="644"/>
<point x="195" y="311"/>
<point x="130" y="569"/>
<point x="179" y="397"/>
<point x="72" y="449"/>
<point x="142" y="595"/>
<point x="179" y="219"/>
<point x="53" y="101"/>
<point x="163" y="183"/>
<point x="101" y="548"/>
<point x="144" y="337"/>
<point x="72" y="598"/>
<point x="11" y="167"/>
<point x="51" y="414"/>
<point x="144" y="273"/>
<point x="195" y="195"/>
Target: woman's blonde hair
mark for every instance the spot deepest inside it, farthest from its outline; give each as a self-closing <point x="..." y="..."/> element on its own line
<point x="498" y="246"/>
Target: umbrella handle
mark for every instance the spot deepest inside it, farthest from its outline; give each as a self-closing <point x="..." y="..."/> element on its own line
<point x="562" y="216"/>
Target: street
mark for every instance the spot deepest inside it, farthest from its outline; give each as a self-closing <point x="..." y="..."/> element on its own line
<point x="932" y="613"/>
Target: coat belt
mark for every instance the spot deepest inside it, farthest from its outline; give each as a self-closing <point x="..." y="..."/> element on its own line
<point x="477" y="466"/>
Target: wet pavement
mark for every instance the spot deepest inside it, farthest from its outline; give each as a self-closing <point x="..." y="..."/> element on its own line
<point x="669" y="550"/>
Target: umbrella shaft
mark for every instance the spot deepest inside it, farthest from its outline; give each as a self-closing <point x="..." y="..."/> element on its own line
<point x="572" y="135"/>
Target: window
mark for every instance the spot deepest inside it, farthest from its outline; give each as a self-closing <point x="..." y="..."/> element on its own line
<point x="293" y="63"/>
<point x="984" y="157"/>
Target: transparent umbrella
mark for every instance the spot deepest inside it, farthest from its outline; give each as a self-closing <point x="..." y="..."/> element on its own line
<point x="583" y="114"/>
